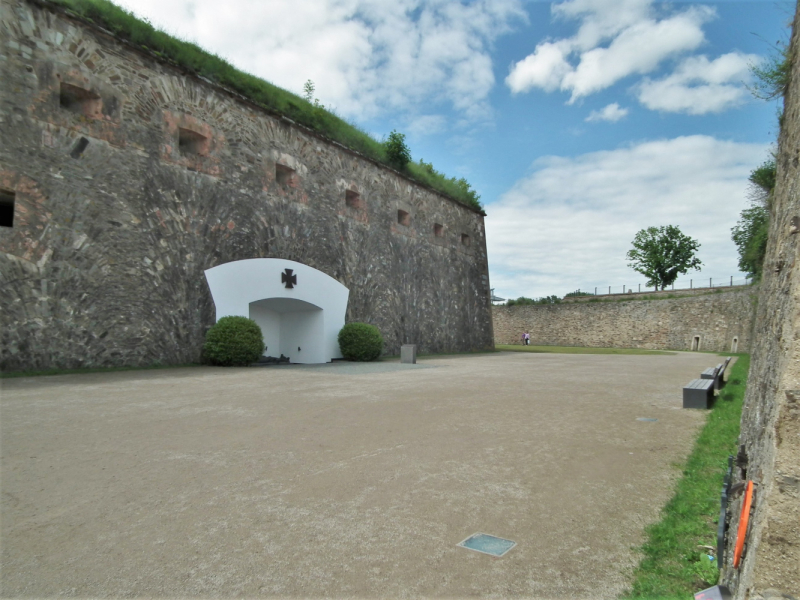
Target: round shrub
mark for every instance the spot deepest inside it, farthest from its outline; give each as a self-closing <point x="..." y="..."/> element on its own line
<point x="359" y="341"/>
<point x="234" y="342"/>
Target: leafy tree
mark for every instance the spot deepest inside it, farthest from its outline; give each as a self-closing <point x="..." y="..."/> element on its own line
<point x="397" y="152"/>
<point x="661" y="253"/>
<point x="750" y="236"/>
<point x="772" y="79"/>
<point x="308" y="91"/>
<point x="752" y="230"/>
<point x="762" y="180"/>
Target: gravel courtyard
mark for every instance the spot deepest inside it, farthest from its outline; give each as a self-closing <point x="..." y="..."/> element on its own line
<point x="341" y="480"/>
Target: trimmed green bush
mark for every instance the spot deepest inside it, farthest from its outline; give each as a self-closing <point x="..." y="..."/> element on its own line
<point x="361" y="342"/>
<point x="234" y="342"/>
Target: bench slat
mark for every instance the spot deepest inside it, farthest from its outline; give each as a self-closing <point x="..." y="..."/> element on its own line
<point x="698" y="393"/>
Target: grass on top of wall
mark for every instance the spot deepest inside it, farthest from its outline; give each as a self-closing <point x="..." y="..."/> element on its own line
<point x="653" y="297"/>
<point x="189" y="56"/>
<point x="576" y="350"/>
<point x="675" y="561"/>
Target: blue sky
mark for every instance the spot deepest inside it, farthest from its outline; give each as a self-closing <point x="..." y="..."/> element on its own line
<point x="579" y="122"/>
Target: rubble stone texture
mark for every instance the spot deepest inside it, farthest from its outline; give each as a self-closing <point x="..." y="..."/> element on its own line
<point x="664" y="324"/>
<point x="770" y="433"/>
<point x="129" y="178"/>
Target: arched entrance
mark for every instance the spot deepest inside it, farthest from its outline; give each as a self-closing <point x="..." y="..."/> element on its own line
<point x="300" y="310"/>
<point x="291" y="327"/>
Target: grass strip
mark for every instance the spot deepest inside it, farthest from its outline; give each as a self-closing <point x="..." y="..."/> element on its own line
<point x="654" y="297"/>
<point x="46" y="372"/>
<point x="576" y="350"/>
<point x="675" y="564"/>
<point x="142" y="34"/>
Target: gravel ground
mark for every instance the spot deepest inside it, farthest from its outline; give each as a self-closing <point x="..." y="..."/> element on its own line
<point x="341" y="480"/>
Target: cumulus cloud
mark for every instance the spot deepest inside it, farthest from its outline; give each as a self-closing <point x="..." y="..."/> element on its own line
<point x="700" y="86"/>
<point x="366" y="57"/>
<point x="614" y="41"/>
<point x="546" y="68"/>
<point x="570" y="222"/>
<point x="612" y="113"/>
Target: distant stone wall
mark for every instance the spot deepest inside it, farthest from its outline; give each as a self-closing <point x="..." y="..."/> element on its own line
<point x="720" y="320"/>
<point x="701" y="291"/>
<point x="128" y="177"/>
<point x="770" y="428"/>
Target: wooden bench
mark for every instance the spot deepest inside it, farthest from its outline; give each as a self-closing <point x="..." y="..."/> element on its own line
<point x="724" y="368"/>
<point x="698" y="393"/>
<point x="714" y="374"/>
<point x="717" y="373"/>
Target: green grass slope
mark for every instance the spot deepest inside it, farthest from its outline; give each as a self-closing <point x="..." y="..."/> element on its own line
<point x="192" y="58"/>
<point x="675" y="561"/>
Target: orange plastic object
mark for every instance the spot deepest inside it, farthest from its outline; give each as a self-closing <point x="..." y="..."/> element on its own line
<point x="744" y="519"/>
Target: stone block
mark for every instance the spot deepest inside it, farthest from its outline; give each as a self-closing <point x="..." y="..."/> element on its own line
<point x="408" y="354"/>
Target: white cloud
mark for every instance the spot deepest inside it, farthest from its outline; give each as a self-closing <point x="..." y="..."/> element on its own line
<point x="546" y="68"/>
<point x="570" y="222"/>
<point x="638" y="49"/>
<point x="366" y="57"/>
<point x="426" y="125"/>
<point x="636" y="43"/>
<point x="601" y="20"/>
<point x="612" y="113"/>
<point x="699" y="86"/>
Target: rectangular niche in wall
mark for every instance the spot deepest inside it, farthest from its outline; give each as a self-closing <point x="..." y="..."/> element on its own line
<point x="403" y="218"/>
<point x="353" y="199"/>
<point x="438" y="230"/>
<point x="696" y="343"/>
<point x="7" y="200"/>
<point x="191" y="143"/>
<point x="283" y="174"/>
<point x="465" y="239"/>
<point x="80" y="101"/>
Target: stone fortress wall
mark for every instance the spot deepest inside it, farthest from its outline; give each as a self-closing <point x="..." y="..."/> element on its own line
<point x="770" y="429"/>
<point x="719" y="321"/>
<point x="126" y="178"/>
<point x="664" y="294"/>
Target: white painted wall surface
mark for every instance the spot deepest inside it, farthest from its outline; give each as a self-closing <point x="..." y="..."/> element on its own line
<point x="308" y="315"/>
<point x="270" y="323"/>
<point x="303" y="330"/>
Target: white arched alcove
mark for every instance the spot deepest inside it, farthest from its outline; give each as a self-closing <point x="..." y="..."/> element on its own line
<point x="295" y="305"/>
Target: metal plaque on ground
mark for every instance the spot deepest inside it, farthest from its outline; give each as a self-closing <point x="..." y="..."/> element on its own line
<point x="488" y="544"/>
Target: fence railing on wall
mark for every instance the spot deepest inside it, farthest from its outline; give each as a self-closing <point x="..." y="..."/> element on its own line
<point x="640" y="288"/>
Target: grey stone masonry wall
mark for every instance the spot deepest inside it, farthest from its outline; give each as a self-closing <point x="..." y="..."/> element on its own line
<point x="770" y="427"/>
<point x="651" y="294"/>
<point x="717" y="319"/>
<point x="129" y="178"/>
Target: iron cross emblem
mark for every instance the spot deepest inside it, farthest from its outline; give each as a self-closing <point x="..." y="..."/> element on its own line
<point x="289" y="279"/>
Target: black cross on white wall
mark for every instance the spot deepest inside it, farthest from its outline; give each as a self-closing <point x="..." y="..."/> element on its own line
<point x="289" y="279"/>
